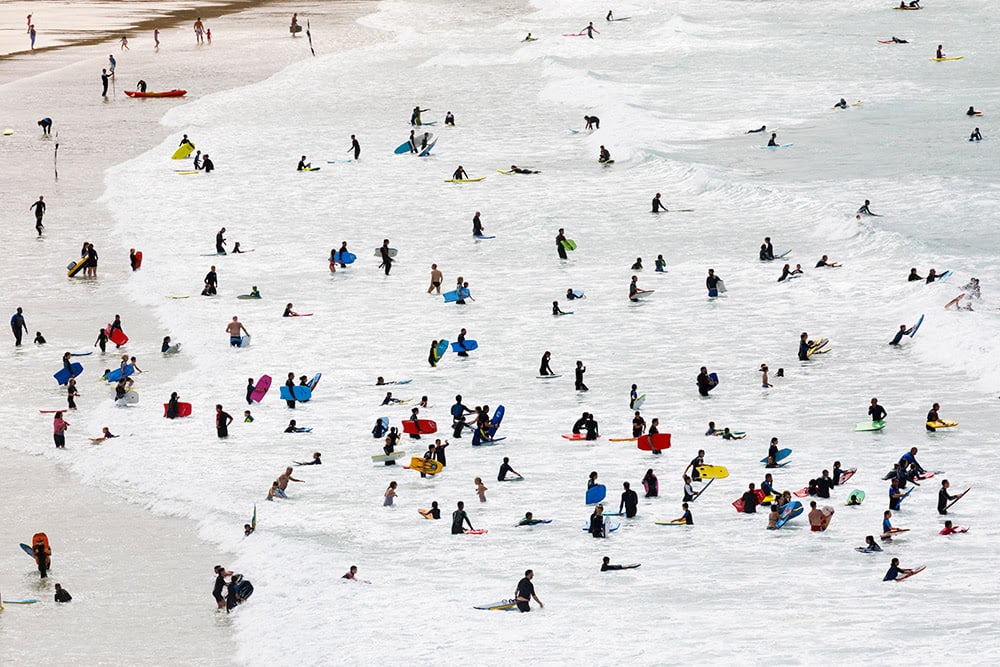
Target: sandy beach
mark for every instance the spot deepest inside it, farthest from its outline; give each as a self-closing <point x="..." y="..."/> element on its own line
<point x="127" y="565"/>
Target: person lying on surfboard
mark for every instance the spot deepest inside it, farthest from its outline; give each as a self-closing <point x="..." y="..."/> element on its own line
<point x="517" y="170"/>
<point x="896" y="40"/>
<point x="842" y="104"/>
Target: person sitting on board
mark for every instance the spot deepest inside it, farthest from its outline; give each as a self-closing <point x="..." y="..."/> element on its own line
<point x="433" y="513"/>
<point x="976" y="135"/>
<point x="866" y="210"/>
<point x="871" y="545"/>
<point x="948" y="529"/>
<point x="767" y="486"/>
<point x="972" y="112"/>
<point x="895" y="571"/>
<point x="289" y="312"/>
<point x="896" y="40"/>
<point x="316" y="461"/>
<point x="939" y="53"/>
<point x="592" y="123"/>
<point x="658" y="204"/>
<point x="460" y="174"/>
<point x="773" y="141"/>
<point x="518" y="170"/>
<point x="605" y="155"/>
<point x="449" y="117"/>
<point x="762" y="128"/>
<point x="254" y="292"/>
<point x="842" y="104"/>
<point x="303" y="165"/>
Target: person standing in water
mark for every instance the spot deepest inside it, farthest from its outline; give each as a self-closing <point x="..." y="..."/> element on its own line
<point x="580" y="370"/>
<point x="525" y="592"/>
<point x="658" y="205"/>
<point x="234" y="328"/>
<point x="222" y="421"/>
<point x="39" y="208"/>
<point x="560" y="243"/>
<point x="459" y="517"/>
<point x="387" y="259"/>
<point x="18" y="326"/>
<point x="477" y="225"/>
<point x="590" y="30"/>
<point x="356" y="147"/>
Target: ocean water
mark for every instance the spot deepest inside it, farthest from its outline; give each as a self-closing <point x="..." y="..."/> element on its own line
<point x="675" y="88"/>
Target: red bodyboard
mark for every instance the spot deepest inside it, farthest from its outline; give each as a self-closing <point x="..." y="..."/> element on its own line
<point x="426" y="426"/>
<point x="659" y="441"/>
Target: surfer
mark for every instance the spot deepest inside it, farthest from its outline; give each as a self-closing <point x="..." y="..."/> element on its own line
<point x="518" y="170"/>
<point x="433" y="513"/>
<point x="207" y="165"/>
<point x="639" y="424"/>
<point x="590" y="30"/>
<point x="580" y="423"/>
<point x="234" y="328"/>
<point x="560" y="243"/>
<point x="415" y="116"/>
<point x="637" y="265"/>
<point x="580" y="370"/>
<point x="657" y="204"/>
<point x="948" y="529"/>
<point x="712" y="283"/>
<point x="660" y="264"/>
<point x="458" y="517"/>
<point x="571" y="295"/>
<point x="605" y="156"/>
<point x="289" y="312"/>
<point x="773" y="141"/>
<point x="685" y="518"/>
<point x="556" y="310"/>
<point x="477" y="225"/>
<point x="705" y="383"/>
<point x="222" y="421"/>
<point x="897" y="40"/>
<point x="939" y="54"/>
<point x="894" y="569"/>
<point x="786" y="271"/>
<point x="461" y="343"/>
<point x="62" y="595"/>
<point x="387" y="259"/>
<point x="460" y="174"/>
<point x="356" y="147"/>
<point x="609" y="17"/>
<point x="804" y="346"/>
<point x="694" y="464"/>
<point x="432" y="357"/>
<point x="525" y="592"/>
<point x="544" y="368"/>
<point x="971" y="112"/>
<point x="766" y="250"/>
<point x="903" y="331"/>
<point x="629" y="501"/>
<point x="449" y="117"/>
<point x="825" y="261"/>
<point x="976" y="135"/>
<point x="913" y="277"/>
<point x="105" y="77"/>
<point x="506" y="468"/>
<point x="39" y="207"/>
<point x="597" y="528"/>
<point x="944" y="496"/>
<point x="842" y="104"/>
<point x="592" y="123"/>
<point x="865" y="210"/>
<point x="762" y="128"/>
<point x="303" y="165"/>
<point x="750" y="500"/>
<point x="19" y="327"/>
<point x="633" y="288"/>
<point x="220" y="240"/>
<point x="211" y="282"/>
<point x="876" y="411"/>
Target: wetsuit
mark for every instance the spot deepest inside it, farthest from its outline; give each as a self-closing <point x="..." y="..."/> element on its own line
<point x="695" y="462"/>
<point x="630" y="501"/>
<point x="207" y="165"/>
<point x="42" y="560"/>
<point x="560" y="239"/>
<point x="943" y="498"/>
<point x="907" y="459"/>
<point x="597" y="525"/>
<point x="652" y="485"/>
<point x="658" y="205"/>
<point x="458" y="517"/>
<point x="803" y="350"/>
<point x="62" y="595"/>
<point x="591" y="428"/>
<point x="173" y="409"/>
<point x="688" y="493"/>
<point x="688" y="518"/>
<point x="356" y="147"/>
<point x="105" y="77"/>
<point x="290" y="383"/>
<point x="580" y="386"/>
<point x="504" y="469"/>
<point x="211" y="282"/>
<point x="704" y="384"/>
<point x="222" y="420"/>
<point x="750" y="502"/>
<point x="878" y="413"/>
<point x="892" y="574"/>
<point x="605" y="567"/>
<point x="386" y="259"/>
<point x="18" y="326"/>
<point x="219" y="242"/>
<point x="712" y="284"/>
<point x="638" y="426"/>
<point x="460" y="175"/>
<point x="525" y="590"/>
<point x="39" y="207"/>
<point x="605" y="156"/>
<point x="579" y="424"/>
<point x="823" y="486"/>
<point x="477" y="226"/>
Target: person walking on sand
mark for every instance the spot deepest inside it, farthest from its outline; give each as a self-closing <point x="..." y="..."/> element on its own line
<point x="234" y="328"/>
<point x="32" y="35"/>
<point x="199" y="31"/>
<point x="156" y="39"/>
<point x="124" y="43"/>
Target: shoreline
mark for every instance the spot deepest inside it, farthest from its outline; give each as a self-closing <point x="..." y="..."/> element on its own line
<point x="55" y="83"/>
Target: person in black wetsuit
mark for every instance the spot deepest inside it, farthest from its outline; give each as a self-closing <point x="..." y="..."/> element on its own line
<point x="220" y="241"/>
<point x="824" y="484"/>
<point x="651" y="484"/>
<point x="976" y="135"/>
<point x="207" y="165"/>
<point x="19" y="327"/>
<point x="504" y="469"/>
<point x="766" y="250"/>
<point x="461" y="343"/>
<point x="459" y="517"/>
<point x="386" y="259"/>
<point x="458" y="412"/>
<point x="590" y="426"/>
<point x="211" y="282"/>
<point x="433" y="513"/>
<point x="876" y="411"/>
<point x="518" y="170"/>
<point x="46" y="125"/>
<point x="903" y="331"/>
<point x="173" y="406"/>
<point x="605" y="155"/>
<point x="804" y="346"/>
<point x="750" y="500"/>
<point x="629" y="501"/>
<point x="391" y="440"/>
<point x="560" y="240"/>
<point x="580" y="370"/>
<point x="449" y="119"/>
<point x="896" y="40"/>
<point x="62" y="595"/>
<point x="705" y="383"/>
<point x="865" y="210"/>
<point x="220" y="583"/>
<point x="657" y="204"/>
<point x="477" y="225"/>
<point x="712" y="283"/>
<point x="580" y="423"/>
<point x="695" y="463"/>
<point x="525" y="592"/>
<point x="460" y="174"/>
<point x="39" y="207"/>
<point x="944" y="497"/>
<point x="597" y="528"/>
<point x="914" y="276"/>
<point x="290" y="383"/>
<point x="762" y="128"/>
<point x="355" y="147"/>
<point x="638" y="424"/>
<point x="773" y="141"/>
<point x="592" y="123"/>
<point x="105" y="77"/>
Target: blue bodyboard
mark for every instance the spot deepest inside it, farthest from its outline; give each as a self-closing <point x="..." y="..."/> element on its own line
<point x="116" y="374"/>
<point x="917" y="326"/>
<point x="344" y="257"/>
<point x="596" y="494"/>
<point x="782" y="454"/>
<point x="63" y="376"/>
<point x="299" y="392"/>
<point x="789" y="512"/>
<point x="468" y="346"/>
